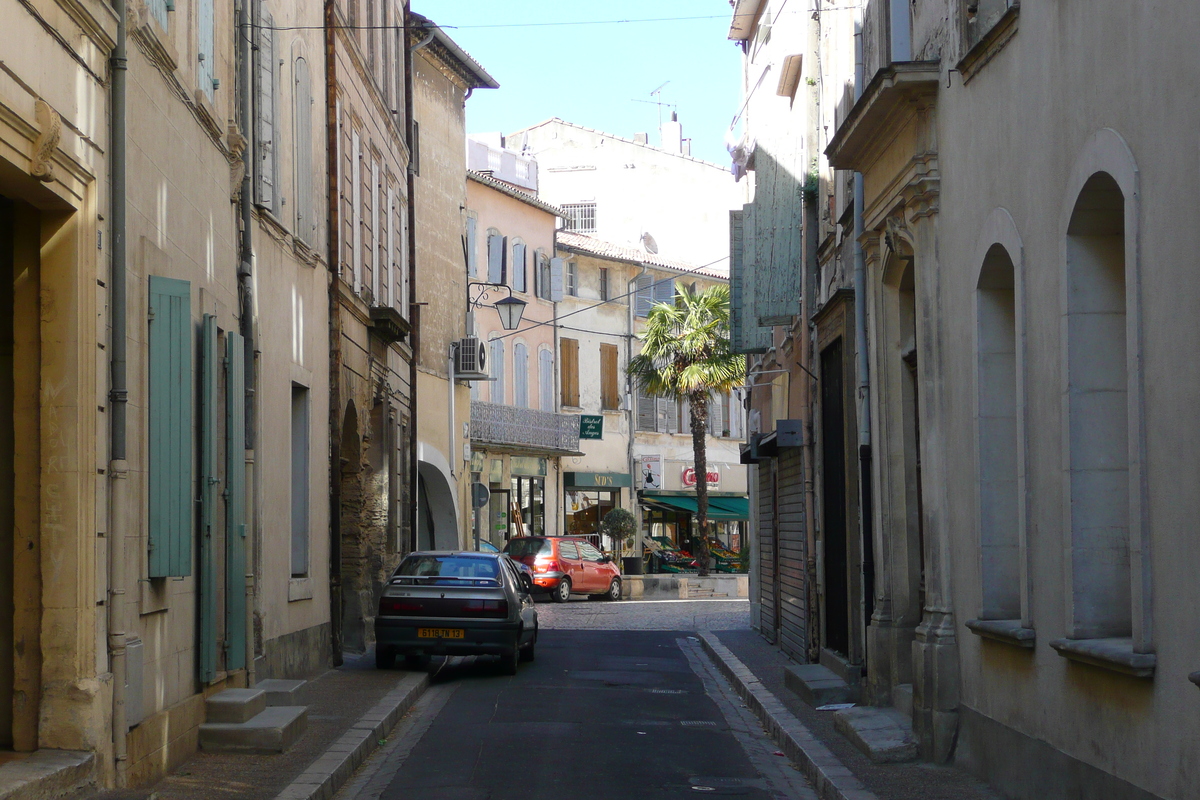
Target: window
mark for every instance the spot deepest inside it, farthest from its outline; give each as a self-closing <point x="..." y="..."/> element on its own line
<point x="570" y="371"/>
<point x="610" y="395"/>
<point x="414" y="157"/>
<point x="306" y="224"/>
<point x="472" y="245"/>
<point x="170" y="422"/>
<point x="545" y="380"/>
<point x="581" y="217"/>
<point x="604" y="283"/>
<point x="206" y="59"/>
<point x="651" y="290"/>
<point x="572" y="279"/>
<point x="356" y="209"/>
<point x="299" y="481"/>
<point x="519" y="276"/>
<point x="265" y="178"/>
<point x="568" y="550"/>
<point x="520" y="375"/>
<point x="528" y="514"/>
<point x="496" y="246"/>
<point x="585" y="509"/>
<point x="646" y="411"/>
<point x="497" y="359"/>
<point x="376" y="239"/>
<point x="544" y="282"/>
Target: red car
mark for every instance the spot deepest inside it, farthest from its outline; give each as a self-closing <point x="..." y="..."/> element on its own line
<point x="566" y="565"/>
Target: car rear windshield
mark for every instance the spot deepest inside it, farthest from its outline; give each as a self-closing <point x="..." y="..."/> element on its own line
<point x="448" y="567"/>
<point x="522" y="548"/>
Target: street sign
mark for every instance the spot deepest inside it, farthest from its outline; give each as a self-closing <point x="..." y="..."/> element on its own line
<point x="480" y="494"/>
<point x="591" y="426"/>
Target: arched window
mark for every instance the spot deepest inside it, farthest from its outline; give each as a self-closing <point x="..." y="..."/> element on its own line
<point x="520" y="375"/>
<point x="546" y="380"/>
<point x="497" y="361"/>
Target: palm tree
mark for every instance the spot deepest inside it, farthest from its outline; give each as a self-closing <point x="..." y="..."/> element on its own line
<point x="686" y="356"/>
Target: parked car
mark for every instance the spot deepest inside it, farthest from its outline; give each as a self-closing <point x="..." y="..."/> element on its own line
<point x="566" y="565"/>
<point x="526" y="571"/>
<point x="455" y="603"/>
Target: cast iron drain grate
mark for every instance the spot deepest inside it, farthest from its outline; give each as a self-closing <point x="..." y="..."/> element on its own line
<point x="698" y="723"/>
<point x="668" y="691"/>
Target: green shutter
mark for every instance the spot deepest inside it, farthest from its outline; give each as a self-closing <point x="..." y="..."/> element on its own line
<point x="208" y="498"/>
<point x="170" y="415"/>
<point x="235" y="501"/>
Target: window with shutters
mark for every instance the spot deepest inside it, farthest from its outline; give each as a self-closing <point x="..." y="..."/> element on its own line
<point x="664" y="290"/>
<point x="604" y="283"/>
<point x="546" y="379"/>
<point x="572" y="279"/>
<point x="472" y="244"/>
<point x="300" y="458"/>
<point x="520" y="375"/>
<point x="356" y="209"/>
<point x="380" y="257"/>
<point x="519" y="269"/>
<point x="170" y="427"/>
<point x="647" y="410"/>
<point x="496" y="245"/>
<point x="497" y="363"/>
<point x="265" y="179"/>
<point x="569" y="348"/>
<point x="414" y="155"/>
<point x="370" y="224"/>
<point x="610" y="395"/>
<point x="667" y="414"/>
<point x="391" y="296"/>
<point x="306" y="217"/>
<point x="644" y="294"/>
<point x="557" y="279"/>
<point x="543" y="276"/>
<point x="206" y="60"/>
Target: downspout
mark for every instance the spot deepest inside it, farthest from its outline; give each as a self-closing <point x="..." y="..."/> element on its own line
<point x="246" y="282"/>
<point x="332" y="154"/>
<point x="118" y="402"/>
<point x="808" y="289"/>
<point x="631" y="291"/>
<point x="862" y="365"/>
<point x="414" y="308"/>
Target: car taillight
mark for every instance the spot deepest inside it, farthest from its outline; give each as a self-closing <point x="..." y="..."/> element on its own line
<point x="546" y="565"/>
<point x="391" y="606"/>
<point x="486" y="608"/>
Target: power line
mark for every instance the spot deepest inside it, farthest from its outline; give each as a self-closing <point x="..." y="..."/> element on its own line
<point x="499" y="25"/>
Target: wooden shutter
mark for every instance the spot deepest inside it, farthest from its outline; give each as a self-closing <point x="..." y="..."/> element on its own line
<point x="391" y="295"/>
<point x="570" y="371"/>
<point x="356" y="208"/>
<point x="170" y="415"/>
<point x="664" y="290"/>
<point x="372" y="249"/>
<point x="520" y="375"/>
<point x="206" y="59"/>
<point x="644" y="297"/>
<point x="235" y="501"/>
<point x="667" y="414"/>
<point x="556" y="280"/>
<point x="472" y="247"/>
<point x="546" y="378"/>
<point x="610" y="397"/>
<point x="519" y="273"/>
<point x="264" y="116"/>
<point x="646" y="411"/>
<point x="302" y="134"/>
<point x="208" y="498"/>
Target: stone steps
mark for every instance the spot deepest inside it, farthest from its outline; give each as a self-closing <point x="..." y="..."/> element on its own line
<point x="883" y="734"/>
<point x="818" y="685"/>
<point x="254" y="721"/>
<point x="704" y="594"/>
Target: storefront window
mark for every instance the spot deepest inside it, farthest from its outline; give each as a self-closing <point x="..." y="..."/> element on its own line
<point x="585" y="510"/>
<point x="528" y="501"/>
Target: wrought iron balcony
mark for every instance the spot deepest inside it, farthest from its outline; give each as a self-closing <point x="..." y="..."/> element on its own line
<point x="524" y="428"/>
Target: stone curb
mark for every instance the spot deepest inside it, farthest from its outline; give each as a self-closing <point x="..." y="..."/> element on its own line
<point x="832" y="779"/>
<point x="325" y="776"/>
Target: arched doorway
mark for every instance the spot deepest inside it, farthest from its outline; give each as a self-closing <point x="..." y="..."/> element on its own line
<point x="437" y="503"/>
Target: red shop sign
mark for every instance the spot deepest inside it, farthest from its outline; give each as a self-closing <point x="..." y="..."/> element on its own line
<point x="689" y="476"/>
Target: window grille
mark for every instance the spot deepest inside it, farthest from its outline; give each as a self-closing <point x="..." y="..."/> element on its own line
<point x="581" y="217"/>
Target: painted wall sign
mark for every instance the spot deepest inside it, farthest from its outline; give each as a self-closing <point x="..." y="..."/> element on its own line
<point x="689" y="477"/>
<point x="650" y="473"/>
<point x="591" y="426"/>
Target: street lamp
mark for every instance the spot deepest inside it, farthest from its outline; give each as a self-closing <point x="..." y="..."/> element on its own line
<point x="508" y="308"/>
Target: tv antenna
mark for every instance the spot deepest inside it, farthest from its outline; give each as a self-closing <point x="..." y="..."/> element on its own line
<point x="658" y="101"/>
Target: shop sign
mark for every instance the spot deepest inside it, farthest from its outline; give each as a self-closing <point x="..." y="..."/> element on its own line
<point x="596" y="480"/>
<point x="650" y="473"/>
<point x="591" y="426"/>
<point x="689" y="477"/>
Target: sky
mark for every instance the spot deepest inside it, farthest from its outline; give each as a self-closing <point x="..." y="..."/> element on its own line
<point x="594" y="74"/>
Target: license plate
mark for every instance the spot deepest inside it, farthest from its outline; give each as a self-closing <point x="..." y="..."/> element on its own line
<point x="441" y="633"/>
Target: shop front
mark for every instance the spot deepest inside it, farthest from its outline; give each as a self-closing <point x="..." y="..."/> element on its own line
<point x="518" y="500"/>
<point x="588" y="496"/>
<point x="669" y="525"/>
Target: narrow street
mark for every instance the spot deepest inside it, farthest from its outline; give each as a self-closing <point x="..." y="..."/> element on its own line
<point x="631" y="710"/>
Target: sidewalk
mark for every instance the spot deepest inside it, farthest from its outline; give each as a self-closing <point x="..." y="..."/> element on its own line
<point x="914" y="781"/>
<point x="350" y="703"/>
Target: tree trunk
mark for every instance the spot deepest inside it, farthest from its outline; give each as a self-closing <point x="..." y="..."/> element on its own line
<point x="698" y="403"/>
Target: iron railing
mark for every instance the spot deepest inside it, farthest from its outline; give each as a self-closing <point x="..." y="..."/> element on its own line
<point x="524" y="427"/>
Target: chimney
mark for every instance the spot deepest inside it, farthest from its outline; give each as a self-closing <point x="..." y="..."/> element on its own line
<point x="672" y="135"/>
<point x="687" y="147"/>
<point x="641" y="138"/>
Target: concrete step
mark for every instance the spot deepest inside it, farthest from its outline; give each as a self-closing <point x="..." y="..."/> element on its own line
<point x="902" y="699"/>
<point x="47" y="773"/>
<point x="281" y="692"/>
<point x="272" y="731"/>
<point x="883" y="734"/>
<point x="817" y="685"/>
<point x="235" y="705"/>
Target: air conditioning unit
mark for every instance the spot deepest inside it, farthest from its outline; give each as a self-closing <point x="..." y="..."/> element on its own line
<point x="470" y="362"/>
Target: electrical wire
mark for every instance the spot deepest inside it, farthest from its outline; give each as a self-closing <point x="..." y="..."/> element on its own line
<point x="498" y="25"/>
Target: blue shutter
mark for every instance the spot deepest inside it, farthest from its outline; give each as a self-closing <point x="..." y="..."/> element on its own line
<point x="520" y="375"/>
<point x="546" y="378"/>
<point x="264" y="119"/>
<point x="664" y="290"/>
<point x="170" y="415"/>
<point x="208" y="498"/>
<point x="556" y="280"/>
<point x="518" y="268"/>
<point x="472" y="247"/>
<point x="235" y="501"/>
<point x="302" y="143"/>
<point x="644" y="297"/>
<point x="495" y="247"/>
<point x="497" y="357"/>
<point x="206" y="59"/>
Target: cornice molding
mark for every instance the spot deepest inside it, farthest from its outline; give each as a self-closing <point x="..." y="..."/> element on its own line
<point x="892" y="100"/>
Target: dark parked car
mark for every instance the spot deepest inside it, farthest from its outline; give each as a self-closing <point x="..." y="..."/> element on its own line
<point x="455" y="603"/>
<point x="566" y="565"/>
<point x="526" y="572"/>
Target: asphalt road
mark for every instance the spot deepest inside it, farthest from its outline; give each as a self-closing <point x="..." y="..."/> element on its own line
<point x="599" y="715"/>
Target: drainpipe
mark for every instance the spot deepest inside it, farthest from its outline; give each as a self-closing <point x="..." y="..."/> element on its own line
<point x="451" y="447"/>
<point x="246" y="283"/>
<point x="414" y="308"/>
<point x="862" y="365"/>
<point x="808" y="292"/>
<point x="118" y="399"/>
<point x="631" y="292"/>
<point x="333" y="152"/>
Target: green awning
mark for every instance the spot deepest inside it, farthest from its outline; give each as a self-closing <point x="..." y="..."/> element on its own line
<point x="719" y="508"/>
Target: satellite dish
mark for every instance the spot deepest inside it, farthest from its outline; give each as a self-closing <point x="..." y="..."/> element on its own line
<point x="649" y="243"/>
